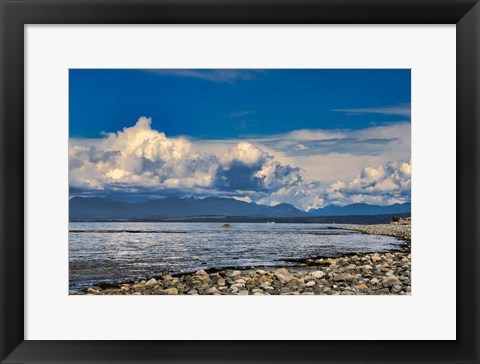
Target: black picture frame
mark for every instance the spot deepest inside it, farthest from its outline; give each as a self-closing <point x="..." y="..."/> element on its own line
<point x="15" y="14"/>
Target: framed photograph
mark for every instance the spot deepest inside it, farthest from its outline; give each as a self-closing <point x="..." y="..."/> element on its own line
<point x="239" y="181"/>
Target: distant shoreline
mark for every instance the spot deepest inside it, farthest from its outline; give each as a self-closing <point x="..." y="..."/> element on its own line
<point x="347" y="219"/>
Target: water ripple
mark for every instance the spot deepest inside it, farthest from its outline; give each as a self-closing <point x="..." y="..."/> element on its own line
<point x="115" y="252"/>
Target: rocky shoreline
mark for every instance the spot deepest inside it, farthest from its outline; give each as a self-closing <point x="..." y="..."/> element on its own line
<point x="375" y="273"/>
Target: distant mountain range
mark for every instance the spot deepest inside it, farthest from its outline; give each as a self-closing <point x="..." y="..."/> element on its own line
<point x="362" y="209"/>
<point x="171" y="208"/>
<point x="100" y="209"/>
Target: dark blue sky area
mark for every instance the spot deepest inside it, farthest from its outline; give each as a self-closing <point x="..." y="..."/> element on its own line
<point x="218" y="104"/>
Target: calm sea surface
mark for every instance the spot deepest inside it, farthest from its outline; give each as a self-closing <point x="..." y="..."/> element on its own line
<point x="116" y="252"/>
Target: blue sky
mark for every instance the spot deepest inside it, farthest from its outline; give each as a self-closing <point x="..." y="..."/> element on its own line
<point x="262" y="102"/>
<point x="306" y="137"/>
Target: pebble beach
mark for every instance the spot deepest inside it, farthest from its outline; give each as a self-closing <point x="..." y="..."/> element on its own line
<point x="374" y="273"/>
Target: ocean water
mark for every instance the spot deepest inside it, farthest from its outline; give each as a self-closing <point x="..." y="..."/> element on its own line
<point x="117" y="252"/>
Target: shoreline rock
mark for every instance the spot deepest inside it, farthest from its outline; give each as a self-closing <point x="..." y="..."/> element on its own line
<point x="373" y="273"/>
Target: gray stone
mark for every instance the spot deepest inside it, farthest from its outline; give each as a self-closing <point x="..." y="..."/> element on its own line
<point x="221" y="282"/>
<point x="317" y="274"/>
<point x="150" y="283"/>
<point x="391" y="281"/>
<point x="171" y="291"/>
<point x="282" y="275"/>
<point x="396" y="289"/>
<point x="213" y="290"/>
<point x="343" y="277"/>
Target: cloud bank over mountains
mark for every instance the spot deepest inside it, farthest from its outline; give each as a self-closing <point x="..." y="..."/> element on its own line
<point x="307" y="168"/>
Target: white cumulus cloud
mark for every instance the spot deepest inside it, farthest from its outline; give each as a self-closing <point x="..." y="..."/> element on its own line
<point x="384" y="185"/>
<point x="381" y="185"/>
<point x="139" y="157"/>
